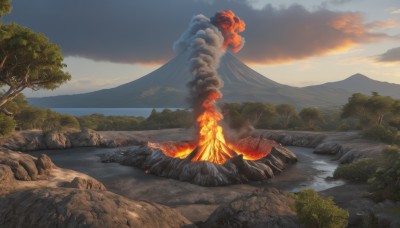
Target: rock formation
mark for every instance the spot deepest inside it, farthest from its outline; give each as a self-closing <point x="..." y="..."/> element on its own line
<point x="36" y="193"/>
<point x="236" y="170"/>
<point x="62" y="207"/>
<point x="263" y="208"/>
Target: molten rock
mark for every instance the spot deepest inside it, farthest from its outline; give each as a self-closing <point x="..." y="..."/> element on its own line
<point x="235" y="170"/>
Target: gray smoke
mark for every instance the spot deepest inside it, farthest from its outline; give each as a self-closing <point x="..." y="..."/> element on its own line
<point x="203" y="41"/>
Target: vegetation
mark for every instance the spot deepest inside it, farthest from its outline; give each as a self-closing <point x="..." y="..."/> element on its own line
<point x="378" y="116"/>
<point x="27" y="60"/>
<point x="386" y="180"/>
<point x="316" y="212"/>
<point x="359" y="171"/>
<point x="7" y="124"/>
<point x="311" y="117"/>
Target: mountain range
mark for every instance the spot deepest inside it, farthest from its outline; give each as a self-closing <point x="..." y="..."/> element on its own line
<point x="166" y="87"/>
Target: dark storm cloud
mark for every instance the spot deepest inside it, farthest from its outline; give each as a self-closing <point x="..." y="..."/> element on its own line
<point x="143" y="31"/>
<point x="391" y="55"/>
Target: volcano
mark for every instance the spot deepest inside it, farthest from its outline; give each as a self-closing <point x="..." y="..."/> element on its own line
<point x="166" y="88"/>
<point x="209" y="154"/>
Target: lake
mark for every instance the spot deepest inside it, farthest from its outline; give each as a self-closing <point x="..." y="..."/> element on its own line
<point x="145" y="112"/>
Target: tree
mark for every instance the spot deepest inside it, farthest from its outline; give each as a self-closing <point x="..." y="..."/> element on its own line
<point x="5" y="7"/>
<point x="311" y="116"/>
<point x="28" y="60"/>
<point x="355" y="106"/>
<point x="7" y="124"/>
<point x="379" y="106"/>
<point x="286" y="112"/>
<point x="316" y="212"/>
<point x="258" y="114"/>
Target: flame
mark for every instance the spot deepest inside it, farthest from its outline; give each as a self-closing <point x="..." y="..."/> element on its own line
<point x="230" y="25"/>
<point x="211" y="145"/>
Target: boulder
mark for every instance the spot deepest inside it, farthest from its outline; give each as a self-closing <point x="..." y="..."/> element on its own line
<point x="330" y="148"/>
<point x="85" y="138"/>
<point x="24" y="166"/>
<point x="56" y="140"/>
<point x="6" y="179"/>
<point x="44" y="164"/>
<point x="65" y="207"/>
<point x="264" y="208"/>
<point x="85" y="183"/>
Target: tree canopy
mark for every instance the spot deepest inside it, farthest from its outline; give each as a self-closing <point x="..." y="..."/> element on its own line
<point x="311" y="116"/>
<point x="27" y="60"/>
<point x="5" y="7"/>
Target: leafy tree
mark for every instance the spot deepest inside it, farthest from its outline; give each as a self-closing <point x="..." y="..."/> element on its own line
<point x="311" y="116"/>
<point x="379" y="106"/>
<point x="7" y="124"/>
<point x="386" y="180"/>
<point x="286" y="112"/>
<point x="28" y="60"/>
<point x="355" y="107"/>
<point x="5" y="7"/>
<point x="316" y="212"/>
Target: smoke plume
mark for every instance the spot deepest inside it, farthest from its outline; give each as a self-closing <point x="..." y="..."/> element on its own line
<point x="206" y="40"/>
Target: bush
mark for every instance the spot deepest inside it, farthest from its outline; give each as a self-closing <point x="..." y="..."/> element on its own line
<point x="381" y="133"/>
<point x="7" y="125"/>
<point x="386" y="180"/>
<point x="69" y="121"/>
<point x="314" y="211"/>
<point x="360" y="170"/>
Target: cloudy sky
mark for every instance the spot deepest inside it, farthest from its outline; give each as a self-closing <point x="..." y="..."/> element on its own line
<point x="299" y="43"/>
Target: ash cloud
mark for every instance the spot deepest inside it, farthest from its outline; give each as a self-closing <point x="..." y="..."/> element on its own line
<point x="203" y="41"/>
<point x="142" y="32"/>
<point x="391" y="55"/>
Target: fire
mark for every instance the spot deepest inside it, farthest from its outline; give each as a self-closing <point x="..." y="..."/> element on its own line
<point x="230" y="25"/>
<point x="211" y="143"/>
<point x="204" y="40"/>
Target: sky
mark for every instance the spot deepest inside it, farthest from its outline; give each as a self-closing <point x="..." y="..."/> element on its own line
<point x="298" y="43"/>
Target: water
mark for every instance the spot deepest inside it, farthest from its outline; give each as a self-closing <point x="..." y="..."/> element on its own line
<point x="145" y="112"/>
<point x="311" y="170"/>
<point x="194" y="202"/>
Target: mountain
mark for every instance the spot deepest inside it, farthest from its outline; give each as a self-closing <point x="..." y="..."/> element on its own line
<point x="362" y="84"/>
<point x="166" y="87"/>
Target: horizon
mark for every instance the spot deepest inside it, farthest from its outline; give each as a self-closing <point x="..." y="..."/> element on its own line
<point x="105" y="52"/>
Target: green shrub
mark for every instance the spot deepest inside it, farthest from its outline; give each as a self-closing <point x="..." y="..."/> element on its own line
<point x="386" y="180"/>
<point x="316" y="212"/>
<point x="7" y="124"/>
<point x="381" y="133"/>
<point x="69" y="121"/>
<point x="360" y="170"/>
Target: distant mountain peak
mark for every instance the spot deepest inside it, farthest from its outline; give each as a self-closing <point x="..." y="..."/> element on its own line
<point x="358" y="76"/>
<point x="359" y="83"/>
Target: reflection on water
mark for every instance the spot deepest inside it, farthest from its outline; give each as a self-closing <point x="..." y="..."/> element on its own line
<point x="323" y="167"/>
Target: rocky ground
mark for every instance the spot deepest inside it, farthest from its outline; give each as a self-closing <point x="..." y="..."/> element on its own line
<point x="30" y="179"/>
<point x="31" y="187"/>
<point x="345" y="146"/>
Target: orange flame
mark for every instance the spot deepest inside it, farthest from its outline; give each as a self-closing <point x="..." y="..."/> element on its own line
<point x="231" y="25"/>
